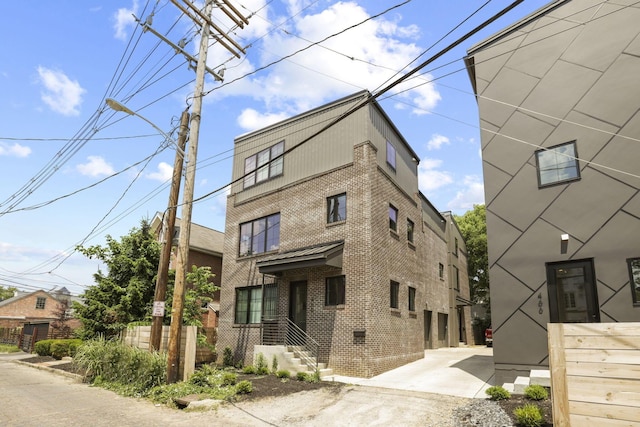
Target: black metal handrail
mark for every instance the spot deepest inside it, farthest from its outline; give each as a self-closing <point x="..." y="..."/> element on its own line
<point x="282" y="331"/>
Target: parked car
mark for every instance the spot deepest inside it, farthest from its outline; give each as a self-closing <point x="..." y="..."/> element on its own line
<point x="488" y="336"/>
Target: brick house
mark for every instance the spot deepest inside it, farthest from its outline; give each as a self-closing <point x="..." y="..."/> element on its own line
<point x="559" y="105"/>
<point x="334" y="243"/>
<point x="205" y="250"/>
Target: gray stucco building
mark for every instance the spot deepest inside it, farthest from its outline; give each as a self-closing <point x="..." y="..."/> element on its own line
<point x="559" y="97"/>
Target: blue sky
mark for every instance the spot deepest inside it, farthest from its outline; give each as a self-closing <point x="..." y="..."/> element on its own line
<point x="58" y="140"/>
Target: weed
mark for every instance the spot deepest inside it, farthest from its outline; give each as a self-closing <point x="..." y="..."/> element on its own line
<point x="274" y="364"/>
<point x="250" y="370"/>
<point x="261" y="364"/>
<point x="284" y="374"/>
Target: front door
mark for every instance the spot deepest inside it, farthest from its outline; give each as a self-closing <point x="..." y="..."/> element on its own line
<point x="572" y="291"/>
<point x="298" y="303"/>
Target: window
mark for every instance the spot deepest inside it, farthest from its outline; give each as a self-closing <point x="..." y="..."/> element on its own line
<point x="260" y="235"/>
<point x="334" y="293"/>
<point x="443" y="320"/>
<point x="456" y="278"/>
<point x="248" y="305"/>
<point x="257" y="167"/>
<point x="394" y="291"/>
<point x="634" y="277"/>
<point x="391" y="155"/>
<point x="40" y="302"/>
<point x="441" y="271"/>
<point x="557" y="164"/>
<point x="455" y="246"/>
<point x="393" y="218"/>
<point x="410" y="227"/>
<point x="336" y="208"/>
<point x="412" y="299"/>
<point x="270" y="302"/>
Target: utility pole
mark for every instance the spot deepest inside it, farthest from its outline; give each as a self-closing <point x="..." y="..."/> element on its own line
<point x="165" y="254"/>
<point x="182" y="264"/>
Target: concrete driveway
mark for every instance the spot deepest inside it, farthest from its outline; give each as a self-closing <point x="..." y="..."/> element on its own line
<point x="458" y="371"/>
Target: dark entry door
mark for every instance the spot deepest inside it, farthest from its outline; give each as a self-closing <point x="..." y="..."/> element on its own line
<point x="298" y="303"/>
<point x="572" y="292"/>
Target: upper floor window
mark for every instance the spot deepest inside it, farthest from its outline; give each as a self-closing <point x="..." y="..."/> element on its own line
<point x="260" y="235"/>
<point x="391" y="155"/>
<point x="412" y="299"/>
<point x="393" y="218"/>
<point x="394" y="293"/>
<point x="40" y="302"/>
<point x="441" y="271"/>
<point x="334" y="291"/>
<point x="456" y="278"/>
<point x="557" y="164"/>
<point x="257" y="167"/>
<point x="337" y="208"/>
<point x="634" y="278"/>
<point x="455" y="246"/>
<point x="410" y="227"/>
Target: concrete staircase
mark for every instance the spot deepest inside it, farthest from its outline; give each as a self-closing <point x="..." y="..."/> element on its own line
<point x="536" y="376"/>
<point x="302" y="361"/>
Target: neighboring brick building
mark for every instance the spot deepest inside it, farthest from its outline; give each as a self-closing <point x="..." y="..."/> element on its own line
<point x="336" y="237"/>
<point x="205" y="250"/>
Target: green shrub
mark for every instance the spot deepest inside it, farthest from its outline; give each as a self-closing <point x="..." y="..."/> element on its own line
<point x="497" y="393"/>
<point x="274" y="364"/>
<point x="244" y="387"/>
<point x="43" y="348"/>
<point x="308" y="377"/>
<point x="229" y="378"/>
<point x="250" y="370"/>
<point x="261" y="364"/>
<point x="536" y="392"/>
<point x="227" y="356"/>
<point x="284" y="374"/>
<point x="529" y="415"/>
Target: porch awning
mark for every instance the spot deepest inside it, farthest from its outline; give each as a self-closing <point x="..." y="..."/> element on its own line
<point x="314" y="256"/>
<point x="462" y="301"/>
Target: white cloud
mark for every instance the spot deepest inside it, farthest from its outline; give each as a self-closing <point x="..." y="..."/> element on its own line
<point x="123" y="19"/>
<point x="250" y="119"/>
<point x="96" y="166"/>
<point x="15" y="150"/>
<point x="471" y="194"/>
<point x="371" y="54"/>
<point x="437" y="141"/>
<point x="61" y="94"/>
<point x="219" y="206"/>
<point x="430" y="178"/>
<point x="163" y="174"/>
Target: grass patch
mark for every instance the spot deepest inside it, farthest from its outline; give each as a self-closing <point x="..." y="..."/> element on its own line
<point x="9" y="348"/>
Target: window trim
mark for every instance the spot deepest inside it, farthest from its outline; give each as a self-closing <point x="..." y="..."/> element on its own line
<point x="341" y="284"/>
<point x="635" y="294"/>
<point x="330" y="217"/>
<point x="266" y="238"/>
<point x="272" y="168"/>
<point x="576" y="164"/>
<point x="41" y="303"/>
<point x="394" y="291"/>
<point x="391" y="150"/>
<point x="393" y="223"/>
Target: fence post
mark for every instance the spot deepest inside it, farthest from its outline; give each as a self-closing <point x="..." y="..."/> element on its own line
<point x="558" y="368"/>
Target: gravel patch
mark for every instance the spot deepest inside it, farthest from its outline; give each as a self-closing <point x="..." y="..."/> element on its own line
<point x="481" y="413"/>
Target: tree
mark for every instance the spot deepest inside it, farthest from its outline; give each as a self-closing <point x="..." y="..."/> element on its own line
<point x="6" y="293"/>
<point x="473" y="226"/>
<point x="125" y="293"/>
<point x="61" y="312"/>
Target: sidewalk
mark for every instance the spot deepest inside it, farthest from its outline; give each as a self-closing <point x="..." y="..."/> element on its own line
<point x="457" y="371"/>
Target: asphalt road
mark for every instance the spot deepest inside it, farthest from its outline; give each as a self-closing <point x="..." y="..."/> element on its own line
<point x="34" y="397"/>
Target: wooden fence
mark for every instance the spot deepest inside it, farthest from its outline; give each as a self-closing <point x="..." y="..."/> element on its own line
<point x="595" y="374"/>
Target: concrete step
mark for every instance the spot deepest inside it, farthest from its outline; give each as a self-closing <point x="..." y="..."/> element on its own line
<point x="540" y="377"/>
<point x="509" y="387"/>
<point x="520" y="384"/>
<point x="325" y="372"/>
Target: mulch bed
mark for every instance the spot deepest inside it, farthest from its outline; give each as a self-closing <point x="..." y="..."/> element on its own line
<point x="272" y="386"/>
<point x="516" y="401"/>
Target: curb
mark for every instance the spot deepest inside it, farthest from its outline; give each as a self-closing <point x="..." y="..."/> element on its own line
<point x="53" y="370"/>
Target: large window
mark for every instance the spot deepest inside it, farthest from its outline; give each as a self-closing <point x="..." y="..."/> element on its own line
<point x="257" y="167"/>
<point x="393" y="218"/>
<point x="334" y="293"/>
<point x="40" y="303"/>
<point x="412" y="299"/>
<point x="260" y="235"/>
<point x="456" y="278"/>
<point x="394" y="293"/>
<point x="248" y="305"/>
<point x="410" y="227"/>
<point x="391" y="155"/>
<point x="336" y="208"/>
<point x="557" y="164"/>
<point x="634" y="277"/>
<point x="270" y="299"/>
<point x="441" y="271"/>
